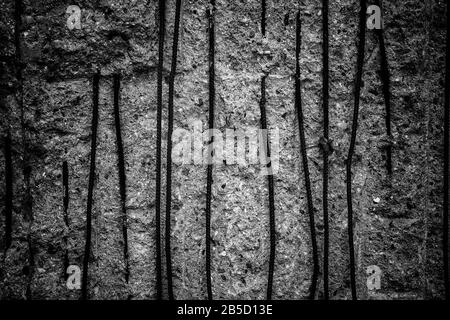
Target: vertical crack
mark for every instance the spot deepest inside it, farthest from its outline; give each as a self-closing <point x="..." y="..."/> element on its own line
<point x="209" y="179"/>
<point x="122" y="175"/>
<point x="300" y="118"/>
<point x="162" y="12"/>
<point x="87" y="250"/>
<point x="325" y="93"/>
<point x="65" y="177"/>
<point x="169" y="149"/>
<point x="351" y="151"/>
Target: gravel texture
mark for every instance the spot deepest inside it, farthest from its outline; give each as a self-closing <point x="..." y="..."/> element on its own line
<point x="397" y="219"/>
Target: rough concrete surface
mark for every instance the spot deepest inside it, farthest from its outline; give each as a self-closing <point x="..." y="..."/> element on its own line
<point x="400" y="232"/>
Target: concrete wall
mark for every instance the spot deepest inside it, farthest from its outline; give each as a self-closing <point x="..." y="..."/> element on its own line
<point x="401" y="233"/>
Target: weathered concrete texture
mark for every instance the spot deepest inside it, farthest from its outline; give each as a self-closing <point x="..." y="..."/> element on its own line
<point x="401" y="233"/>
<point x="409" y="214"/>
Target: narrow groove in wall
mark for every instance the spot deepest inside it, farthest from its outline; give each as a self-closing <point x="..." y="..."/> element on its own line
<point x="325" y="146"/>
<point x="65" y="178"/>
<point x="270" y="179"/>
<point x="162" y="12"/>
<point x="122" y="175"/>
<point x="169" y="149"/>
<point x="301" y="126"/>
<point x="209" y="178"/>
<point x="87" y="250"/>
<point x="351" y="151"/>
